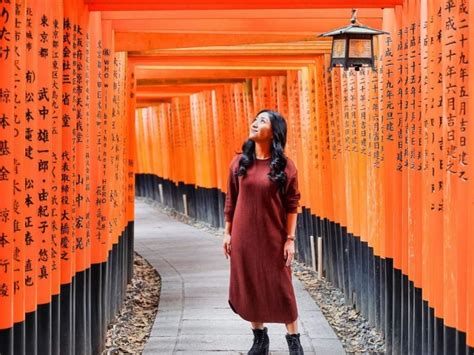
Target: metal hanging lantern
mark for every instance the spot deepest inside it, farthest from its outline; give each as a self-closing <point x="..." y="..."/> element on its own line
<point x="352" y="46"/>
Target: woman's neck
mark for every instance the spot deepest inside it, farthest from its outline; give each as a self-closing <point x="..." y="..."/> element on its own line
<point x="262" y="150"/>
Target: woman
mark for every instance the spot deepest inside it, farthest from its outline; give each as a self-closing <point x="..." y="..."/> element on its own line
<point x="260" y="213"/>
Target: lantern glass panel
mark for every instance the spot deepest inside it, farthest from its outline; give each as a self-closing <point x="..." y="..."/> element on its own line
<point x="339" y="48"/>
<point x="360" y="48"/>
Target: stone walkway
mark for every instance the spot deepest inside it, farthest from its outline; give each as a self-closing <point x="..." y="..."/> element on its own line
<point x="193" y="315"/>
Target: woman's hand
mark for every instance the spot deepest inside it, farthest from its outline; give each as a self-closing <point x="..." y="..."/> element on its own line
<point x="226" y="245"/>
<point x="289" y="251"/>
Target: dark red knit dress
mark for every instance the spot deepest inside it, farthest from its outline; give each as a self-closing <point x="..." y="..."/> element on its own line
<point x="260" y="288"/>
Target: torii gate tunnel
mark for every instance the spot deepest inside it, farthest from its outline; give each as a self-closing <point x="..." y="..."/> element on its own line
<point x="102" y="100"/>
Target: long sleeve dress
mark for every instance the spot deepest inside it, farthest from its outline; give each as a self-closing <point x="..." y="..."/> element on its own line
<point x="260" y="287"/>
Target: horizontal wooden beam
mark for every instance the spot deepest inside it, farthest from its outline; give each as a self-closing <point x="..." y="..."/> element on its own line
<point x="298" y="48"/>
<point x="144" y="41"/>
<point x="124" y="5"/>
<point x="209" y="73"/>
<point x="153" y="89"/>
<point x="239" y="26"/>
<point x="295" y="14"/>
<point x="159" y="95"/>
<point x="145" y="102"/>
<point x="187" y="81"/>
<point x="238" y="62"/>
<point x="228" y="51"/>
<point x="221" y="66"/>
<point x="151" y="59"/>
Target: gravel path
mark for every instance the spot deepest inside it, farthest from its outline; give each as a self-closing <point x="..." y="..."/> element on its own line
<point x="354" y="331"/>
<point x="130" y="330"/>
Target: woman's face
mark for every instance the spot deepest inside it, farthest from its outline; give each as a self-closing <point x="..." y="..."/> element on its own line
<point x="261" y="128"/>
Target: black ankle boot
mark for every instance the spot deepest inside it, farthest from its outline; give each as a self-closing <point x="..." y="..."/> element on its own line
<point x="294" y="344"/>
<point x="261" y="342"/>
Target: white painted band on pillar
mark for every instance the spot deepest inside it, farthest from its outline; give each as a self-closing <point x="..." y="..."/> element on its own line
<point x="160" y="186"/>
<point x="185" y="202"/>
<point x="313" y="253"/>
<point x="320" y="257"/>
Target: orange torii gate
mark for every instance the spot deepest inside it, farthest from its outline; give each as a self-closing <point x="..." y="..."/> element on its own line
<point x="96" y="94"/>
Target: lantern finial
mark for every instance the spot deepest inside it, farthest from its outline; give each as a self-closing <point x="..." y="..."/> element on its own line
<point x="354" y="16"/>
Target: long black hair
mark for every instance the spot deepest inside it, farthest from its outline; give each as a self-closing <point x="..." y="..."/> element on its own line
<point x="278" y="162"/>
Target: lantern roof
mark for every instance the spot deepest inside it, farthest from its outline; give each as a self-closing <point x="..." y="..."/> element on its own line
<point x="354" y="28"/>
